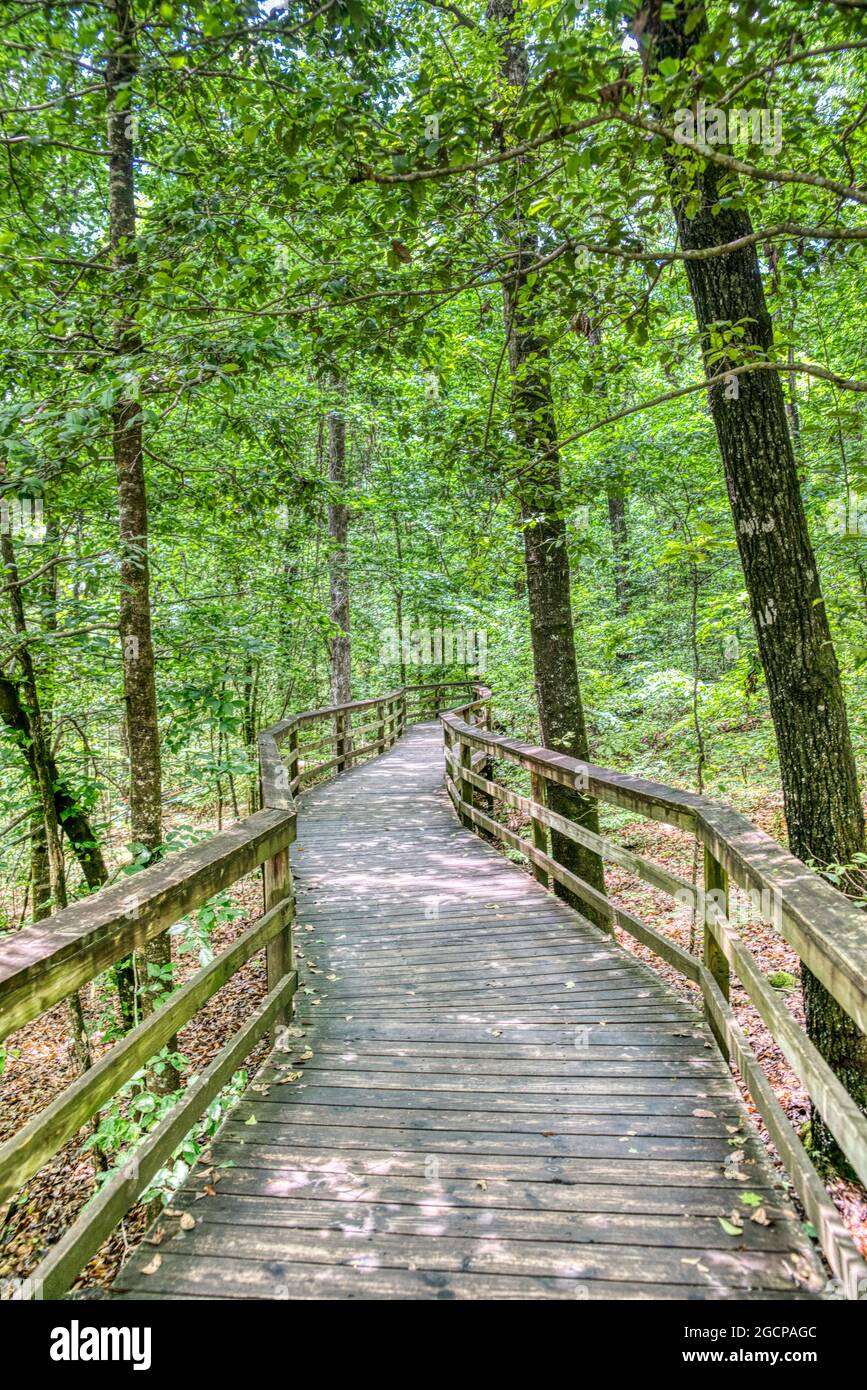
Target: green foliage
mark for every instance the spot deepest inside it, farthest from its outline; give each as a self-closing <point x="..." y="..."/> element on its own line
<point x="273" y="258"/>
<point x="781" y="979"/>
<point x="126" y="1122"/>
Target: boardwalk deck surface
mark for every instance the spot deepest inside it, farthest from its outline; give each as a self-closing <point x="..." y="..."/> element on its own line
<point x="500" y="1102"/>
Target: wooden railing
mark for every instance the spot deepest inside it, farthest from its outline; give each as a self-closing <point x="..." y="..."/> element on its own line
<point x="828" y="933"/>
<point x="44" y="964"/>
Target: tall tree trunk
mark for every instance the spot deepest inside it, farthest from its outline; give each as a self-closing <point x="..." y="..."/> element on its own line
<point x="620" y="546"/>
<point x="39" y="765"/>
<point x="821" y="798"/>
<point x="398" y="599"/>
<point x="142" y="728"/>
<point x="338" y="557"/>
<point x="558" y="694"/>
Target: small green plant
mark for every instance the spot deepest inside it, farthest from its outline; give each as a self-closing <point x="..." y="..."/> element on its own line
<point x="136" y="1110"/>
<point x="133" y="1112"/>
<point x="196" y="933"/>
<point x="781" y="979"/>
<point x="851" y="879"/>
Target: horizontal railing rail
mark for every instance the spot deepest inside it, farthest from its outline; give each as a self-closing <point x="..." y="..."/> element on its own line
<point x="828" y="933"/>
<point x="46" y="963"/>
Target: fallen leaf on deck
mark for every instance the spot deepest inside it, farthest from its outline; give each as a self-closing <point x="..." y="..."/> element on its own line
<point x="729" y="1227"/>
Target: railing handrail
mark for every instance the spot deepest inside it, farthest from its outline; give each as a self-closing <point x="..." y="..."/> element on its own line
<point x="732" y="846"/>
<point x="42" y="964"/>
<point x="37" y="963"/>
<point x="836" y="954"/>
<point x="47" y="962"/>
<point x="276" y="789"/>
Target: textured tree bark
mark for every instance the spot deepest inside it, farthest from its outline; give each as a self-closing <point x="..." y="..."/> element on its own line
<point x="72" y="820"/>
<point x="338" y="556"/>
<point x="821" y="797"/>
<point x="558" y="694"/>
<point x="145" y="796"/>
<point x="620" y="546"/>
<point x="39" y="766"/>
<point x="40" y="879"/>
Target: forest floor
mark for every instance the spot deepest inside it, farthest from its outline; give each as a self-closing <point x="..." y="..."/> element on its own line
<point x="40" y="1064"/>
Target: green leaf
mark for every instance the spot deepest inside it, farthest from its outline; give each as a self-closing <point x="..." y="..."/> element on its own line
<point x="729" y="1227"/>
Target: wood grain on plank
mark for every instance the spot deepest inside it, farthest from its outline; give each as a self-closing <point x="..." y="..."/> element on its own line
<point x="482" y="1096"/>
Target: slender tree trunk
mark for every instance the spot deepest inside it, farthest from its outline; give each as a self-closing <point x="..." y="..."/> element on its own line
<point x="558" y="694"/>
<point x="142" y="728"/>
<point x="398" y="599"/>
<point x="40" y="879"/>
<point x="338" y="557"/>
<point x="251" y="698"/>
<point x="793" y="413"/>
<point x="72" y="820"/>
<point x="822" y="802"/>
<point x="39" y="765"/>
<point x="620" y="546"/>
<point x="67" y="812"/>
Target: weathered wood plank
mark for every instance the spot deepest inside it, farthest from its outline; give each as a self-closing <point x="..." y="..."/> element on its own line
<point x="27" y="1150"/>
<point x="828" y="932"/>
<point x="57" y="1271"/>
<point x="837" y="1107"/>
<point x="490" y="1090"/>
<point x="43" y="964"/>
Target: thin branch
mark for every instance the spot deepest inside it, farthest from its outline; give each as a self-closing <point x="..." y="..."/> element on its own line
<point x="808" y="368"/>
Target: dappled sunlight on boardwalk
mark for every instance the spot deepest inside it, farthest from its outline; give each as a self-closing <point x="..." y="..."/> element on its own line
<point x="481" y="1095"/>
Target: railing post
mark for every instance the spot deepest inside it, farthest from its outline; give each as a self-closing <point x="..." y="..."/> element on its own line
<point x="716" y="892"/>
<point x="292" y="761"/>
<point x="465" y="787"/>
<point x="380" y="725"/>
<point x="279" y="953"/>
<point x="276" y="778"/>
<point x="401" y="714"/>
<point x="340" y="739"/>
<point x="538" y="828"/>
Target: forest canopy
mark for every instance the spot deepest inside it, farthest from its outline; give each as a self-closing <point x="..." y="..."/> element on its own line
<point x="354" y="345"/>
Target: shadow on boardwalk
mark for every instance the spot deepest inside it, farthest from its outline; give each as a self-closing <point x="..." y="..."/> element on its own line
<point x="500" y="1102"/>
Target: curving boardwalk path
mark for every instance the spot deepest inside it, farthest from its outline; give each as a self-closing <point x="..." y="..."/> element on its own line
<point x="500" y="1102"/>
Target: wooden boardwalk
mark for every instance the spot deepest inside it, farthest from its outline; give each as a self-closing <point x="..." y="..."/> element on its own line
<point x="500" y="1102"/>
